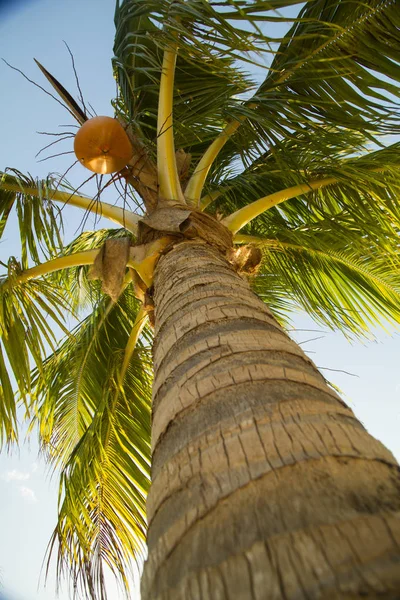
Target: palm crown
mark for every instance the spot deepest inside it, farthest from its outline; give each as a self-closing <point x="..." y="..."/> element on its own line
<point x="294" y="164"/>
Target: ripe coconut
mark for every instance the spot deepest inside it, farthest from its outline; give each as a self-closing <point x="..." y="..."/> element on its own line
<point x="102" y="145"/>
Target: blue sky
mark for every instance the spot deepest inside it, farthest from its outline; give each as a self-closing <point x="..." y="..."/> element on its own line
<point x="27" y="496"/>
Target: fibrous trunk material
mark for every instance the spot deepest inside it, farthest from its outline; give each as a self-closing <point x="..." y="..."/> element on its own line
<point x="264" y="484"/>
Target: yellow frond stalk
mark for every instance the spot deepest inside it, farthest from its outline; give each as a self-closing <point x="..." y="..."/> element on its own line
<point x="140" y="322"/>
<point x="143" y="258"/>
<point x="124" y="218"/>
<point x="209" y="198"/>
<point x="64" y="262"/>
<point x="241" y="238"/>
<point x="244" y="215"/>
<point x="170" y="187"/>
<point x="197" y="180"/>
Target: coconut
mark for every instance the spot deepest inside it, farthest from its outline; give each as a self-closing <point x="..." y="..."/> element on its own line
<point x="102" y="145"/>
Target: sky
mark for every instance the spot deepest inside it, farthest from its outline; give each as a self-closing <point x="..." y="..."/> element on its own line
<point x="367" y="373"/>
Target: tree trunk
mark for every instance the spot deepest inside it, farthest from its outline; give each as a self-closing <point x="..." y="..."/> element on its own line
<point x="264" y="484"/>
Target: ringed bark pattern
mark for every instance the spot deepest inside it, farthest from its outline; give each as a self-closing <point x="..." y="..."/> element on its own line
<point x="264" y="484"/>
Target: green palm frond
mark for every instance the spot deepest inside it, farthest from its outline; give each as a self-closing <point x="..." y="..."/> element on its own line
<point x="338" y="275"/>
<point x="99" y="434"/>
<point x="40" y="222"/>
<point x="64" y="399"/>
<point x="8" y="408"/>
<point x="43" y="195"/>
<point x="208" y="77"/>
<point x="103" y="489"/>
<point x="67" y="385"/>
<point x="337" y="66"/>
<point x="297" y="157"/>
<point x="30" y="314"/>
<point x="366" y="187"/>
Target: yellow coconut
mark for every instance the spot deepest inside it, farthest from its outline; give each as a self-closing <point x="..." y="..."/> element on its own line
<point x="102" y="145"/>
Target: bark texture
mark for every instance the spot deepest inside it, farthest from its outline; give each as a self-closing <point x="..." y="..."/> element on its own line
<point x="264" y="484"/>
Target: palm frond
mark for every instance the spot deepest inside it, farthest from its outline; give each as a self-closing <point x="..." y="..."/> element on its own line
<point x="8" y="407"/>
<point x="338" y="66"/>
<point x="208" y="75"/>
<point x="37" y="199"/>
<point x="99" y="433"/>
<point x="339" y="276"/>
<point x="40" y="222"/>
<point x="30" y="314"/>
<point x="102" y="514"/>
<point x="75" y="374"/>
<point x="365" y="187"/>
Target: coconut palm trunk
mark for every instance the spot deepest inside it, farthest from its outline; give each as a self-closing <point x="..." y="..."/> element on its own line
<point x="264" y="484"/>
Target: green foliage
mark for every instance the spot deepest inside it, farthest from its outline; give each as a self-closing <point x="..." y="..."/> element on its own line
<point x="335" y="272"/>
<point x="40" y="222"/>
<point x="98" y="433"/>
<point x="206" y="78"/>
<point x="28" y="314"/>
<point x="367" y="187"/>
<point x="334" y="252"/>
<point x="339" y="66"/>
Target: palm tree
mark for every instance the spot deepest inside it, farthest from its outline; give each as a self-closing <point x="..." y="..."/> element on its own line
<point x="253" y="199"/>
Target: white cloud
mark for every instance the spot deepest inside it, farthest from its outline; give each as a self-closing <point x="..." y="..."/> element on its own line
<point x="28" y="494"/>
<point x="15" y="475"/>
